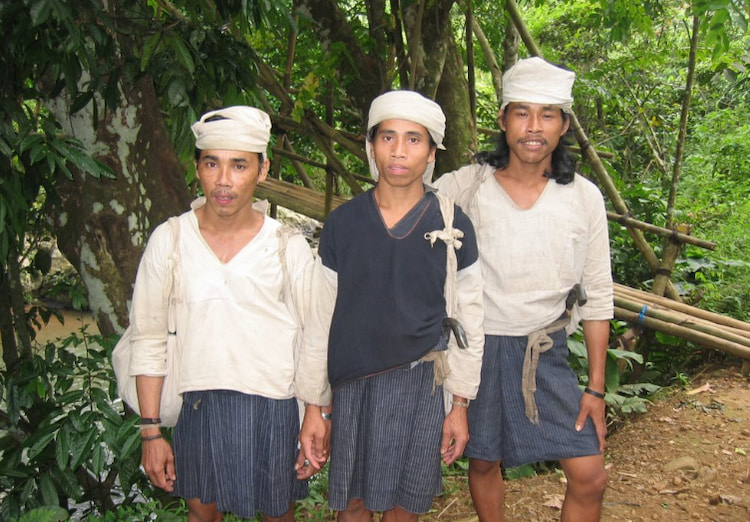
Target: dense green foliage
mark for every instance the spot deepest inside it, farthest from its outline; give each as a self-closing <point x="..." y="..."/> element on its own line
<point x="61" y="438"/>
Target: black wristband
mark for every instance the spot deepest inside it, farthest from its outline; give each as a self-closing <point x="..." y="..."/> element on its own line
<point x="152" y="437"/>
<point x="150" y="420"/>
<point x="595" y="393"/>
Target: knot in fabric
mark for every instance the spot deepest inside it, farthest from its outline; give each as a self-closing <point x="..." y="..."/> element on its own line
<point x="537" y="343"/>
<point x="449" y="235"/>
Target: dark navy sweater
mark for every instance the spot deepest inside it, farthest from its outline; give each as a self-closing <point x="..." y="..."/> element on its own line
<point x="390" y="304"/>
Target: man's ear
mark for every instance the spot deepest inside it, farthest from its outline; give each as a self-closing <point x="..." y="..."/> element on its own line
<point x="566" y="124"/>
<point x="264" y="167"/>
<point x="500" y="119"/>
<point x="433" y="154"/>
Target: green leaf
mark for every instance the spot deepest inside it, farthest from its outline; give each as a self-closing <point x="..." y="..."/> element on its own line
<point x="29" y="487"/>
<point x="611" y="375"/>
<point x="577" y="348"/>
<point x="525" y="471"/>
<point x="83" y="446"/>
<point x="70" y="397"/>
<point x="98" y="459"/>
<point x="68" y="483"/>
<point x="625" y="354"/>
<point x="149" y="48"/>
<point x="48" y="490"/>
<point x="182" y="53"/>
<point x="41" y="442"/>
<point x="131" y="444"/>
<point x="14" y="473"/>
<point x="40" y="11"/>
<point x="62" y="448"/>
<point x="46" y="514"/>
<point x="83" y="99"/>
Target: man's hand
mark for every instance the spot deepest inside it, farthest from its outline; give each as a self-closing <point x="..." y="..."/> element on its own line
<point x="315" y="440"/>
<point x="455" y="435"/>
<point x="593" y="407"/>
<point x="157" y="460"/>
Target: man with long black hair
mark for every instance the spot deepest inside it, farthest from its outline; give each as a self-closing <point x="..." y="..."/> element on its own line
<point x="543" y="246"/>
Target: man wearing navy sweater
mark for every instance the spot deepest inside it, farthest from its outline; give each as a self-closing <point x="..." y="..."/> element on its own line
<point x="383" y="290"/>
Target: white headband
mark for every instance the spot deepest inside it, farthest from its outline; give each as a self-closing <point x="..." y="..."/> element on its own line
<point x="534" y="80"/>
<point x="409" y="106"/>
<point x="240" y="128"/>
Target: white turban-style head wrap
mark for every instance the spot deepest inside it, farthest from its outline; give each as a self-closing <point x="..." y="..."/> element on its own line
<point x="534" y="80"/>
<point x="236" y="128"/>
<point x="409" y="106"/>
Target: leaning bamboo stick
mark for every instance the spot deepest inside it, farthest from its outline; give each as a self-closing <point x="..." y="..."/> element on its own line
<point x="681" y="320"/>
<point x="701" y="338"/>
<point x="682" y="307"/>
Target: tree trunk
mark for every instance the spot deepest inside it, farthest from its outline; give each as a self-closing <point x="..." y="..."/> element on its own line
<point x="489" y="56"/>
<point x="103" y="224"/>
<point x="443" y="78"/>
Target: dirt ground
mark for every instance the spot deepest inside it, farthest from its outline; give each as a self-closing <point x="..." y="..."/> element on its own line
<point x="687" y="458"/>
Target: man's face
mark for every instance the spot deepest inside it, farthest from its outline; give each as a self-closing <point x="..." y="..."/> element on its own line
<point x="228" y="179"/>
<point x="532" y="131"/>
<point x="401" y="150"/>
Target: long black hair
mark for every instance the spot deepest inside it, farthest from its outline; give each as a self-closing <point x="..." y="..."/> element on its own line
<point x="563" y="162"/>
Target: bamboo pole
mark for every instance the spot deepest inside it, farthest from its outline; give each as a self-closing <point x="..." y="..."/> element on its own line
<point x="681" y="307"/>
<point x="639" y="304"/>
<point x="663" y="274"/>
<point x="665" y="232"/>
<point x="701" y="338"/>
<point x="294" y="197"/>
<point x="681" y="320"/>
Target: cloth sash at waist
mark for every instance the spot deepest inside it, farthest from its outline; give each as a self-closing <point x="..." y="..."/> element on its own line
<point x="439" y="357"/>
<point x="537" y="343"/>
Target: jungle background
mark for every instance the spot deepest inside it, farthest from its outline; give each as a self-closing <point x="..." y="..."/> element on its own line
<point x="97" y="98"/>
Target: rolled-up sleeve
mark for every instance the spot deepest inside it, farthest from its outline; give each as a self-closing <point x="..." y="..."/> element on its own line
<point x="466" y="364"/>
<point x="597" y="271"/>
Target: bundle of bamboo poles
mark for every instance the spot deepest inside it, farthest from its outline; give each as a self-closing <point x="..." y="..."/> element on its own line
<point x="681" y="320"/>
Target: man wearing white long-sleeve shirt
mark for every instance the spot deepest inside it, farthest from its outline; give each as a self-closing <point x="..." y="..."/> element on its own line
<point x="240" y="374"/>
<point x="542" y="235"/>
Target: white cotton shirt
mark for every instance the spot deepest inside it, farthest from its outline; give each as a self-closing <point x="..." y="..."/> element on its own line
<point x="234" y="330"/>
<point x="531" y="258"/>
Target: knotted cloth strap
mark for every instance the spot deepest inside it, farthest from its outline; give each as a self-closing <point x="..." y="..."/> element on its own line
<point x="538" y="342"/>
<point x="440" y="366"/>
<point x="452" y="239"/>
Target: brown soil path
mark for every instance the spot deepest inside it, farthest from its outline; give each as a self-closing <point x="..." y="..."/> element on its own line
<point x="687" y="458"/>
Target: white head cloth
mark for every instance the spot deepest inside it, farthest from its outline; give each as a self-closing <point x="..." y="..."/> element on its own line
<point x="242" y="128"/>
<point x="534" y="80"/>
<point x="409" y="106"/>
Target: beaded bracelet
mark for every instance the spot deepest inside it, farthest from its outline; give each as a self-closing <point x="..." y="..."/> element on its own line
<point x="152" y="437"/>
<point x="462" y="404"/>
<point x="598" y="395"/>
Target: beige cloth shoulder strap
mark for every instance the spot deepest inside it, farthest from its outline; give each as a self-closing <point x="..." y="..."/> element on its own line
<point x="452" y="239"/>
